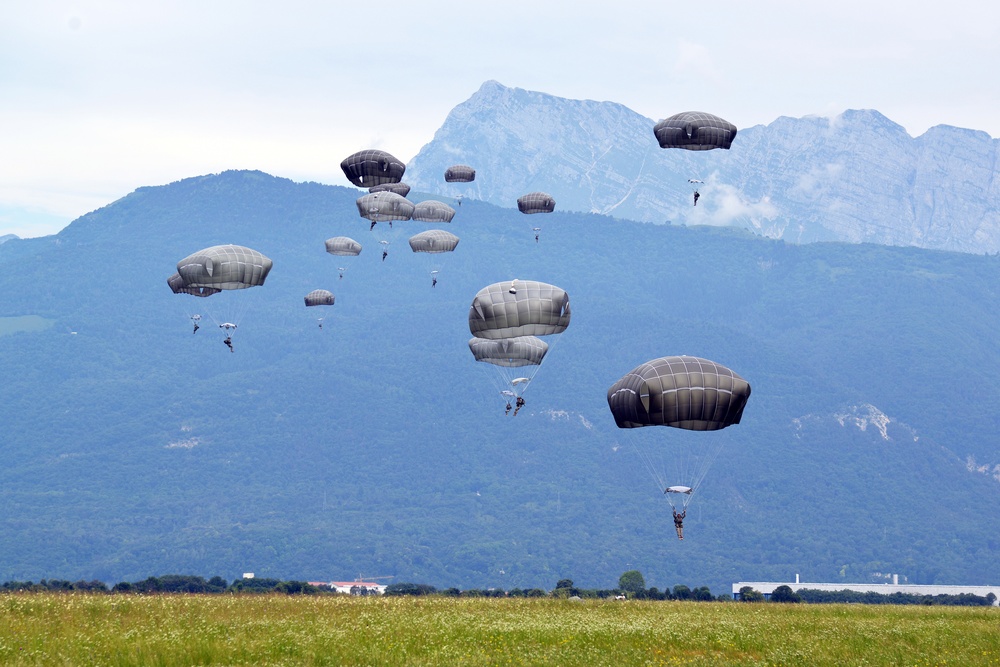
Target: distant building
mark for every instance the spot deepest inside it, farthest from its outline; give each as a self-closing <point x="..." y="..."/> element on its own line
<point x="352" y="587"/>
<point x="767" y="587"/>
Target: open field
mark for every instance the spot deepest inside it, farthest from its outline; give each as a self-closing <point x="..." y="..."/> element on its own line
<point x="167" y="630"/>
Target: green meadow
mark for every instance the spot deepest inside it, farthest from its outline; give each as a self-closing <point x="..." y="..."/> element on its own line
<point x="168" y="630"/>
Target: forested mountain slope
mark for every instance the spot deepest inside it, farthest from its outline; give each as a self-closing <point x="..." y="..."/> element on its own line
<point x="376" y="445"/>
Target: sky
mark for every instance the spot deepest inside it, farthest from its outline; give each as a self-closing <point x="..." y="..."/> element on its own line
<point x="100" y="97"/>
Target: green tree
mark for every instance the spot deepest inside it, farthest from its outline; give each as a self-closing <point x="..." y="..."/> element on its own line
<point x="785" y="594"/>
<point x="409" y="589"/>
<point x="632" y="582"/>
<point x="748" y="594"/>
<point x="565" y="589"/>
<point x="702" y="594"/>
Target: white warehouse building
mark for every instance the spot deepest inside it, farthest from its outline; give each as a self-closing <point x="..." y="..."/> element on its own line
<point x="767" y="587"/>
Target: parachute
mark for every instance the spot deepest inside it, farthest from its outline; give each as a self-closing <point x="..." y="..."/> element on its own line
<point x="519" y="308"/>
<point x="433" y="211"/>
<point x="384" y="207"/>
<point x="401" y="189"/>
<point x="682" y="392"/>
<point x="512" y="362"/>
<point x="343" y="246"/>
<point x="319" y="297"/>
<point x="224" y="267"/>
<point x="372" y="167"/>
<point x="459" y="173"/>
<point x="433" y="241"/>
<point x="510" y="352"/>
<point x="505" y="319"/>
<point x="178" y="286"/>
<point x="695" y="131"/>
<point x="230" y="268"/>
<point x="536" y="202"/>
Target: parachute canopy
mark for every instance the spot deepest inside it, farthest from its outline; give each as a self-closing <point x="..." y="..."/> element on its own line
<point x="519" y="308"/>
<point x="224" y="267"/>
<point x="384" y="206"/>
<point x="178" y="287"/>
<point x="509" y="352"/>
<point x="342" y="245"/>
<point x="695" y="131"/>
<point x="459" y="173"/>
<point x="433" y="241"/>
<point x="319" y="297"/>
<point x="683" y="392"/>
<point x="372" y="167"/>
<point x="401" y="189"/>
<point x="433" y="211"/>
<point x="536" y="202"/>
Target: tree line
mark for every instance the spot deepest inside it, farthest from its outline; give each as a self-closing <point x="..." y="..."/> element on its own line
<point x="631" y="586"/>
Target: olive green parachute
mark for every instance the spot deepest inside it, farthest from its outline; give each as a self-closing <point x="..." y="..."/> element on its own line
<point x="510" y="364"/>
<point x="319" y="297"/>
<point x="536" y="202"/>
<point x="224" y="267"/>
<point x="433" y="211"/>
<point x="433" y="241"/>
<point x="683" y="392"/>
<point x="401" y="189"/>
<point x="384" y="206"/>
<point x="178" y="287"/>
<point x="459" y="173"/>
<point x="695" y="131"/>
<point x="372" y="167"/>
<point x="343" y="246"/>
<point x="509" y="352"/>
<point x="519" y="308"/>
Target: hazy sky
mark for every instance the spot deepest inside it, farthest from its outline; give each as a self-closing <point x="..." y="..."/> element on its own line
<point x="99" y="97"/>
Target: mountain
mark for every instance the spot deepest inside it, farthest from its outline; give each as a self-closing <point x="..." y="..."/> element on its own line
<point x="7" y="237"/>
<point x="133" y="447"/>
<point x="858" y="177"/>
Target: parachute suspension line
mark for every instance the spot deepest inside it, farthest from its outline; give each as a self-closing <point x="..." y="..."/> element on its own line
<point x="648" y="460"/>
<point x="231" y="308"/>
<point x="699" y="467"/>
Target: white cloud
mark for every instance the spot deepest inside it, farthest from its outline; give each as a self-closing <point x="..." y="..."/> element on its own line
<point x="722" y="204"/>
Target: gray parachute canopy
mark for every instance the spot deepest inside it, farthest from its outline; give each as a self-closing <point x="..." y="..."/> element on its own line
<point x="509" y="352"/>
<point x="224" y="267"/>
<point x="536" y="202"/>
<point x="384" y="206"/>
<point x="319" y="297"/>
<point x="459" y="173"/>
<point x="433" y="211"/>
<point x="178" y="287"/>
<point x="372" y="167"/>
<point x="434" y="241"/>
<point x="683" y="392"/>
<point x="343" y="245"/>
<point x="401" y="189"/>
<point x="519" y="308"/>
<point x="695" y="131"/>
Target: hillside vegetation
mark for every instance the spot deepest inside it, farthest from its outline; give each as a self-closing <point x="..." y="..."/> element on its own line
<point x="376" y="445"/>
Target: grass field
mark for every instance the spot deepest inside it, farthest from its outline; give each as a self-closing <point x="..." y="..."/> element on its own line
<point x="167" y="630"/>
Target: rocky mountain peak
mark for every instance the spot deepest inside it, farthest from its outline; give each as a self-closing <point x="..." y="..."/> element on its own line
<point x="855" y="177"/>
